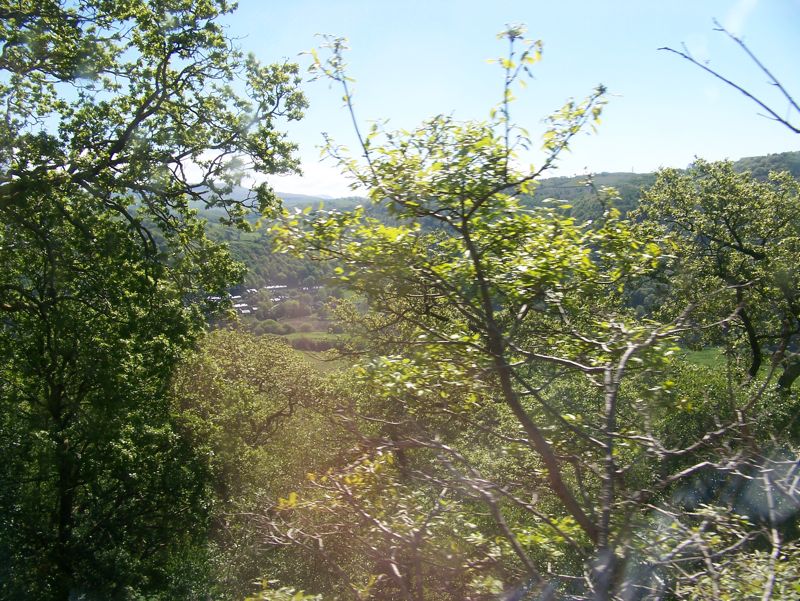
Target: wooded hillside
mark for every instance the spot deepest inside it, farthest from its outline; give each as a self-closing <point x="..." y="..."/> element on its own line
<point x="476" y="383"/>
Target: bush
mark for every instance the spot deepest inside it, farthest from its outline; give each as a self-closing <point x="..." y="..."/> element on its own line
<point x="304" y="343"/>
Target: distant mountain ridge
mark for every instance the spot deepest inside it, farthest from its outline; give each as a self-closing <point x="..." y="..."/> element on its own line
<point x="304" y="200"/>
<point x="268" y="268"/>
<point x="290" y="199"/>
<point x="576" y="190"/>
<point x="571" y="188"/>
<point x="629" y="185"/>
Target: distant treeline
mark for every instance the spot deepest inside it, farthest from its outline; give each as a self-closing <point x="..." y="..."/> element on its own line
<point x="582" y="191"/>
<point x="265" y="267"/>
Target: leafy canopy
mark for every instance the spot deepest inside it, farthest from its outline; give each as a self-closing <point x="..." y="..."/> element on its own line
<point x="118" y="118"/>
<point x="519" y="427"/>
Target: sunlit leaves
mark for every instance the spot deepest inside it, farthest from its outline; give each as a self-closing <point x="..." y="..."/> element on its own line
<point x="737" y="248"/>
<point x="281" y="593"/>
<point x="505" y="366"/>
<point x="572" y="118"/>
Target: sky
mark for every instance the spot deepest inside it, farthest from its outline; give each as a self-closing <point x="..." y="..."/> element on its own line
<point x="414" y="59"/>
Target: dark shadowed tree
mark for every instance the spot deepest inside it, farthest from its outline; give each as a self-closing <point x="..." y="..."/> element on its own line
<point x="116" y="116"/>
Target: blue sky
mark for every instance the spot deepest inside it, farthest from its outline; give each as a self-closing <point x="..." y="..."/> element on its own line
<point x="415" y="59"/>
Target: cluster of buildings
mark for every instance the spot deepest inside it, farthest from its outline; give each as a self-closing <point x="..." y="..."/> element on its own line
<point x="244" y="307"/>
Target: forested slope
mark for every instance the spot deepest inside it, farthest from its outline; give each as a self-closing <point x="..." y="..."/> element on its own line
<point x="513" y="407"/>
<point x="582" y="192"/>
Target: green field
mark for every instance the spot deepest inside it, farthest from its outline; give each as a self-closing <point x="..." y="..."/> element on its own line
<point x="709" y="357"/>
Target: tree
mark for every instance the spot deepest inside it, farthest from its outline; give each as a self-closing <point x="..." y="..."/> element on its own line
<point x="512" y="398"/>
<point x="99" y="491"/>
<point x="738" y="236"/>
<point x="243" y="400"/>
<point x="117" y="115"/>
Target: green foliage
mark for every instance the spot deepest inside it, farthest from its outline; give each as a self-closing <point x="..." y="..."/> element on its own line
<point x="98" y="487"/>
<point x="760" y="167"/>
<point x="247" y="403"/>
<point x="748" y="576"/>
<point x="583" y="193"/>
<point x="284" y="593"/>
<point x="752" y="574"/>
<point x="738" y="250"/>
<point x="519" y="427"/>
<point x="265" y="267"/>
<point x="117" y="115"/>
